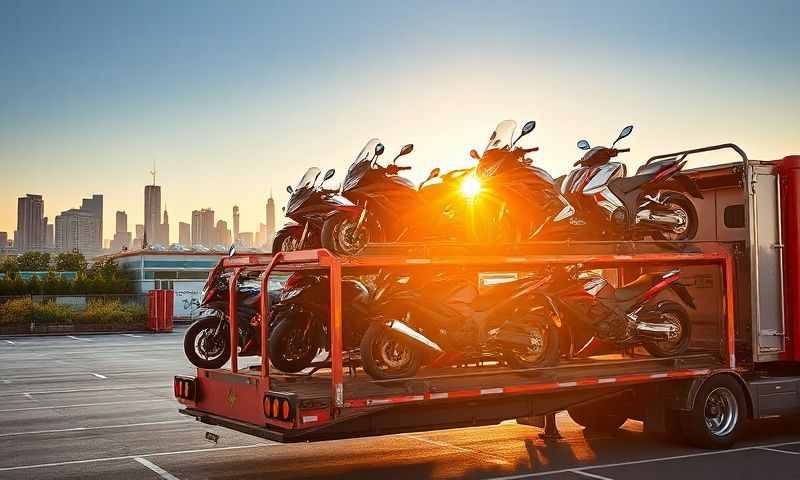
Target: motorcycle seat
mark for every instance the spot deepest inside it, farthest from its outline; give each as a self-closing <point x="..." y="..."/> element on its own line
<point x="628" y="184"/>
<point x="655" y="167"/>
<point x="493" y="295"/>
<point x="636" y="287"/>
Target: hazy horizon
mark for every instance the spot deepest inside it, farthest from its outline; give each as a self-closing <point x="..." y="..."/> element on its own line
<point x="232" y="99"/>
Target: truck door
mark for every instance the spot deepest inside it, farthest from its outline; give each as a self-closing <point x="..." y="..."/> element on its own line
<point x="766" y="262"/>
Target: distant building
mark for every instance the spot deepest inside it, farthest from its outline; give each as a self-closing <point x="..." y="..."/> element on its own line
<point x="246" y="239"/>
<point x="261" y="235"/>
<point x="94" y="206"/>
<point x="235" y="222"/>
<point x="184" y="234"/>
<point x="152" y="213"/>
<point x="203" y="227"/>
<point x="122" y="237"/>
<point x="223" y="234"/>
<point x="270" y="226"/>
<point x="50" y="236"/>
<point x="163" y="231"/>
<point x="77" y="230"/>
<point x="4" y="240"/>
<point x="31" y="224"/>
<point x="138" y="240"/>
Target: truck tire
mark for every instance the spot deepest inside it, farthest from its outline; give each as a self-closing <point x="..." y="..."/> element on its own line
<point x="718" y="415"/>
<point x="598" y="416"/>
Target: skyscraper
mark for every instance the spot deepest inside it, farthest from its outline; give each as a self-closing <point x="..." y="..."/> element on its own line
<point x="235" y="224"/>
<point x="270" y="234"/>
<point x="203" y="228"/>
<point x="137" y="242"/>
<point x="152" y="212"/>
<point x="94" y="206"/>
<point x="122" y="237"/>
<point x="49" y="235"/>
<point x="3" y="240"/>
<point x="184" y="234"/>
<point x="223" y="234"/>
<point x="163" y="230"/>
<point x="31" y="224"/>
<point x="77" y="230"/>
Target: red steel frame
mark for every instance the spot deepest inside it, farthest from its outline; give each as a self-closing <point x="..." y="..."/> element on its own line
<point x="321" y="258"/>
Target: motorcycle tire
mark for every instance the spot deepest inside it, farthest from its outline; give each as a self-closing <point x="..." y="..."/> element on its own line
<point x="280" y="343"/>
<point x="671" y="349"/>
<point x="190" y="346"/>
<point x="331" y="231"/>
<point x="549" y="352"/>
<point x="279" y="243"/>
<point x="374" y="344"/>
<point x="687" y="206"/>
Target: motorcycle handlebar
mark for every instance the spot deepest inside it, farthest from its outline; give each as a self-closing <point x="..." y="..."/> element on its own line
<point x="623" y="150"/>
<point x="529" y="150"/>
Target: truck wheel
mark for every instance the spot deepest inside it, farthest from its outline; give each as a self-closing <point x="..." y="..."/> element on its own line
<point x="204" y="349"/>
<point x="718" y="414"/>
<point x="597" y="416"/>
<point x="674" y="314"/>
<point x="385" y="355"/>
<point x="289" y="348"/>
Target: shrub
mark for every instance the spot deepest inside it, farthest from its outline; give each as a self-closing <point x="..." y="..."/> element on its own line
<point x="112" y="312"/>
<point x="16" y="312"/>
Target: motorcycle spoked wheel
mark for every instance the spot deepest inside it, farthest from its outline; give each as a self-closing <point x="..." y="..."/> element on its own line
<point x="203" y="348"/>
<point x="542" y="352"/>
<point x="341" y="235"/>
<point x="674" y="314"/>
<point x="385" y="355"/>
<point x="290" y="349"/>
<point x="680" y="205"/>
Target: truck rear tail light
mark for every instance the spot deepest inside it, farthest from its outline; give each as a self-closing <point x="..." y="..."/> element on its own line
<point x="185" y="388"/>
<point x="278" y="408"/>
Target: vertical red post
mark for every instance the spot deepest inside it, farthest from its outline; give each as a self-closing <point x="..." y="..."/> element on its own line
<point x="234" y="328"/>
<point x="730" y="324"/>
<point x="152" y="305"/>
<point x="265" y="306"/>
<point x="169" y="311"/>
<point x="335" y="280"/>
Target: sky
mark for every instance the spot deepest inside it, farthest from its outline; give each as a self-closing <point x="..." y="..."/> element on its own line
<point x="232" y="99"/>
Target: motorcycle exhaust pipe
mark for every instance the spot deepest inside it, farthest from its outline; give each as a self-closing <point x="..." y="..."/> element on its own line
<point x="658" y="219"/>
<point x="415" y="337"/>
<point x="656" y="331"/>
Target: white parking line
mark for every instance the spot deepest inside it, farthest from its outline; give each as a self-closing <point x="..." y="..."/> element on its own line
<point x="81" y="390"/>
<point x="84" y="429"/>
<point x="160" y="471"/>
<point x="85" y="405"/>
<point x="590" y="475"/>
<point x="10" y="342"/>
<point x="131" y="335"/>
<point x="490" y="459"/>
<point x="99" y="376"/>
<point x="646" y="460"/>
<point x="779" y="450"/>
<point x="129" y="457"/>
<point x="81" y="339"/>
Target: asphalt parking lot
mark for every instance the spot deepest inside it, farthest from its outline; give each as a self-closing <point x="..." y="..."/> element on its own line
<point x="101" y="406"/>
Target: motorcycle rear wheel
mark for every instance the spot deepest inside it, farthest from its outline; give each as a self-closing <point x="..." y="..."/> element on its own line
<point x="385" y="355"/>
<point x="543" y="352"/>
<point x="675" y="314"/>
<point x="204" y="351"/>
<point x="681" y="204"/>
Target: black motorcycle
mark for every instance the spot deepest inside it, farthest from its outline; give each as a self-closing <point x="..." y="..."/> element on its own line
<point x="207" y="341"/>
<point x="445" y="320"/>
<point x="609" y="203"/>
<point x="301" y="317"/>
<point x="308" y="206"/>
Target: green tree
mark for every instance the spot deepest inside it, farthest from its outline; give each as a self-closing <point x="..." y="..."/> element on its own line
<point x="9" y="265"/>
<point x="33" y="262"/>
<point x="70" y="262"/>
<point x="34" y="285"/>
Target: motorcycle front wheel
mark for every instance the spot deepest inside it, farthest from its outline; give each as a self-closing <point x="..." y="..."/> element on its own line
<point x="289" y="348"/>
<point x="386" y="355"/>
<point x="342" y="235"/>
<point x="673" y="314"/>
<point x="205" y="349"/>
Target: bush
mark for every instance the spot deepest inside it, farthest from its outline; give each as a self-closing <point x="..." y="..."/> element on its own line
<point x="16" y="312"/>
<point x="52" y="313"/>
<point x="110" y="313"/>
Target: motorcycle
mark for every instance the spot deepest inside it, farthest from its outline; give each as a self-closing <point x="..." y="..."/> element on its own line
<point x="387" y="206"/>
<point x="308" y="206"/>
<point x="446" y="321"/>
<point x="301" y="318"/>
<point x="652" y="202"/>
<point x="207" y="341"/>
<point x="510" y="198"/>
<point x="585" y="302"/>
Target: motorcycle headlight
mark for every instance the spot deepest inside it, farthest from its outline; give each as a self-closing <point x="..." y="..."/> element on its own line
<point x="290" y="294"/>
<point x="470" y="186"/>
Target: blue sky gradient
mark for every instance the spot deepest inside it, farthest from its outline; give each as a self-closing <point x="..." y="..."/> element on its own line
<point x="231" y="99"/>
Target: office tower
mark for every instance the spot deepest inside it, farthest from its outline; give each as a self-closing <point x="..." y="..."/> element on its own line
<point x="261" y="235"/>
<point x="203" y="228"/>
<point x="122" y="222"/>
<point x="163" y="230"/>
<point x="184" y="234"/>
<point x="31" y="224"/>
<point x="49" y="235"/>
<point x="76" y="230"/>
<point x="3" y="240"/>
<point x="270" y="234"/>
<point x="152" y="213"/>
<point x="122" y="237"/>
<point x="94" y="206"/>
<point x="246" y="239"/>
<point x="222" y="233"/>
<point x="235" y="223"/>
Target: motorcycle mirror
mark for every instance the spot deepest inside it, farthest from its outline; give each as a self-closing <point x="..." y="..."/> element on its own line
<point x="378" y="150"/>
<point x="329" y="174"/>
<point x="474" y="154"/>
<point x="584" y="145"/>
<point x="404" y="151"/>
<point x="232" y="251"/>
<point x="624" y="133"/>
<point x="434" y="173"/>
<point x="289" y="189"/>
<point x="526" y="129"/>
